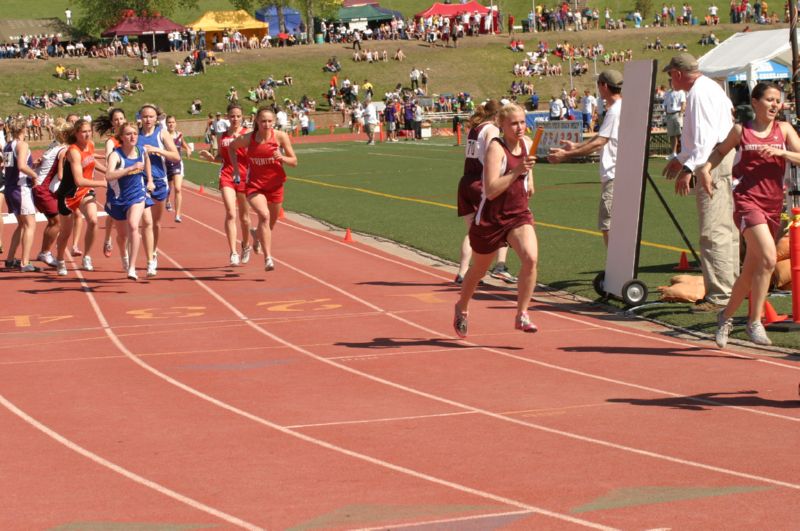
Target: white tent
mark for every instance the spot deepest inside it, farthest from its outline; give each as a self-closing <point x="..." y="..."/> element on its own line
<point x="743" y="53"/>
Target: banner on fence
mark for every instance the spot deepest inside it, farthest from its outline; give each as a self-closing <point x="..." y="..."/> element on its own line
<point x="556" y="132"/>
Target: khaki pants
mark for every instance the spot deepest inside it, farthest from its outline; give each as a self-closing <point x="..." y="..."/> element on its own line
<point x="719" y="237"/>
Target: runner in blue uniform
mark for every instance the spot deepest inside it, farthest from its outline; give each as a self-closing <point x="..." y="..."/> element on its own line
<point x="128" y="184"/>
<point x="158" y="144"/>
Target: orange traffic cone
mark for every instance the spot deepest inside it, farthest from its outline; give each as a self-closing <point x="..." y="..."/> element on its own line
<point x="683" y="265"/>
<point x="281" y="214"/>
<point x="348" y="236"/>
<point x="202" y="190"/>
<point x="770" y="315"/>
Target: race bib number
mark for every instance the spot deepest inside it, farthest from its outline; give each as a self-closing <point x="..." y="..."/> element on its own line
<point x="472" y="149"/>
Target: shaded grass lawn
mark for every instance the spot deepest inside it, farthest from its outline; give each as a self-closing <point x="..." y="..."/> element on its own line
<point x="480" y="66"/>
<point x="406" y="192"/>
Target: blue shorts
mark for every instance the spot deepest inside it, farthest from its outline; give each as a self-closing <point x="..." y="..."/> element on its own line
<point x="161" y="193"/>
<point x="119" y="212"/>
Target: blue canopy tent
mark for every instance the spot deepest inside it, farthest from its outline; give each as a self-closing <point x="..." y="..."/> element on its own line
<point x="269" y="14"/>
<point x="391" y="12"/>
<point x="765" y="71"/>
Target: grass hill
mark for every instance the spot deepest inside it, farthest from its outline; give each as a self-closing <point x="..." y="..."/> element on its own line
<point x="480" y="66"/>
<point x="25" y="9"/>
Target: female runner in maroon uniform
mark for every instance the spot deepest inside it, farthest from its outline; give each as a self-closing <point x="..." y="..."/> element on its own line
<point x="757" y="202"/>
<point x="503" y="216"/>
<point x="267" y="151"/>
<point x="233" y="194"/>
<point x="482" y="130"/>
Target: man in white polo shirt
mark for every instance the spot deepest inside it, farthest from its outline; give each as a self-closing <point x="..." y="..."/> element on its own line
<point x="609" y="86"/>
<point x="706" y="123"/>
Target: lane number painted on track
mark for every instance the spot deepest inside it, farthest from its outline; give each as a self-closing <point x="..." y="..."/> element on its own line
<point x="171" y="312"/>
<point x="313" y="305"/>
<point x="425" y="296"/>
<point x="26" y="321"/>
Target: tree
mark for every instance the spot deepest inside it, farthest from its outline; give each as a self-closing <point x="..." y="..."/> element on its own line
<point x="644" y="7"/>
<point x="97" y="15"/>
<point x="317" y="8"/>
<point x="308" y="8"/>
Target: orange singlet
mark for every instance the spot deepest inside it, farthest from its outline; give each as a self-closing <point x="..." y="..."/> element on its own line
<point x="265" y="175"/>
<point x="73" y="200"/>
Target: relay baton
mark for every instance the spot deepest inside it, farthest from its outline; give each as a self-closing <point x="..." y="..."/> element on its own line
<point x="537" y="136"/>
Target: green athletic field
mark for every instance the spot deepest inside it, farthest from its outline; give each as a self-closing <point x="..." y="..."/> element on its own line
<point x="406" y="192"/>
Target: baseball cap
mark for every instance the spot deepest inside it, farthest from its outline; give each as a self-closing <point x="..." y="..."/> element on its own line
<point x="684" y="62"/>
<point x="612" y="78"/>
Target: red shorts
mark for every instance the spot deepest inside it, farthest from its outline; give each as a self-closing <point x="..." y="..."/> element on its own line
<point x="226" y="181"/>
<point x="273" y="191"/>
<point x="745" y="219"/>
<point x="45" y="201"/>
<point x="470" y="191"/>
<point x="486" y="239"/>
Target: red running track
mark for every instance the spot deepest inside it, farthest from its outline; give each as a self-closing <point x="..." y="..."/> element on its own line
<point x="332" y="394"/>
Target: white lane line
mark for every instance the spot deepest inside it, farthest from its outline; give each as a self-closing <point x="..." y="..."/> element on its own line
<point x="530" y="360"/>
<point x="299" y="435"/>
<point x="454" y="403"/>
<point x="440" y="277"/>
<point x="123" y="471"/>
<point x="446" y="521"/>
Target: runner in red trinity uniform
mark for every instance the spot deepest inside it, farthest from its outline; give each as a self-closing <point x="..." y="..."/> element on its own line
<point x="267" y="151"/>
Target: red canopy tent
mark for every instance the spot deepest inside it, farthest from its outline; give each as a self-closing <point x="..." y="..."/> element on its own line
<point x="138" y="26"/>
<point x="451" y="10"/>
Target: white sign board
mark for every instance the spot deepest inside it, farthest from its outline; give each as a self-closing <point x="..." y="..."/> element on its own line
<point x="622" y="259"/>
<point x="557" y="131"/>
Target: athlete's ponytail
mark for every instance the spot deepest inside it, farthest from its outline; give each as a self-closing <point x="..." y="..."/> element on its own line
<point x="484" y="112"/>
<point x="105" y="123"/>
<point x="61" y="130"/>
<point x="17" y="125"/>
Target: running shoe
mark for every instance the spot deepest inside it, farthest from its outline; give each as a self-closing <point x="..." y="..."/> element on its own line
<point x="256" y="243"/>
<point x="178" y="219"/>
<point x="87" y="263"/>
<point x="29" y="268"/>
<point x="155" y="258"/>
<point x="132" y="274"/>
<point x="757" y="333"/>
<point x="523" y="322"/>
<point x="169" y="206"/>
<point x="460" y="323"/>
<point x="107" y="248"/>
<point x="13" y="263"/>
<point x="152" y="268"/>
<point x="125" y="262"/>
<point x="47" y="258"/>
<point x="62" y="268"/>
<point x="75" y="251"/>
<point x="235" y="259"/>
<point x="501" y="272"/>
<point x="724" y="327"/>
<point x="460" y="280"/>
<point x="246" y="254"/>
<point x="269" y="264"/>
